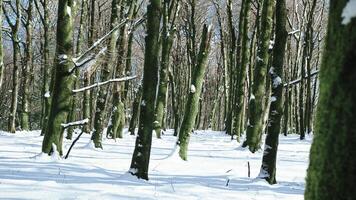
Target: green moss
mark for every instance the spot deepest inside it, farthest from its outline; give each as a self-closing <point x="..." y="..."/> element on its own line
<point x="332" y="172"/>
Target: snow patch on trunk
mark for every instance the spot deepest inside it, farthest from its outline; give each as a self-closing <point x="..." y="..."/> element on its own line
<point x="349" y="12"/>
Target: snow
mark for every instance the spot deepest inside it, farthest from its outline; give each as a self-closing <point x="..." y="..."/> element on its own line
<point x="273" y="99"/>
<point x="192" y="89"/>
<point x="47" y="94"/>
<point x="252" y="97"/>
<point x="277" y="81"/>
<point x="213" y="160"/>
<point x="69" y="11"/>
<point x="77" y="123"/>
<point x="349" y="12"/>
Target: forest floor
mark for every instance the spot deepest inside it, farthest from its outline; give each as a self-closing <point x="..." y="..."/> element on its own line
<point x="216" y="169"/>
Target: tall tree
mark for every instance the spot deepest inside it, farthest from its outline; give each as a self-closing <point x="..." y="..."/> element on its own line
<point x="1" y="49"/>
<point x="257" y="99"/>
<point x="25" y="118"/>
<point x="168" y="32"/>
<point x="106" y="74"/>
<point x="64" y="80"/>
<point x="268" y="168"/>
<point x="244" y="56"/>
<point x="191" y="107"/>
<point x="332" y="172"/>
<point x="15" y="73"/>
<point x="141" y="156"/>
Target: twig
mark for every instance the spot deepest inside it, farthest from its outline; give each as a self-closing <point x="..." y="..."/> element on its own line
<point x="104" y="83"/>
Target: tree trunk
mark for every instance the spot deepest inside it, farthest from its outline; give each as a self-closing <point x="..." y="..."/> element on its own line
<point x="257" y="99"/>
<point x="64" y="81"/>
<point x="135" y="111"/>
<point x="191" y="107"/>
<point x="25" y="118"/>
<point x="141" y="156"/>
<point x="167" y="41"/>
<point x="106" y="73"/>
<point x="244" y="55"/>
<point x="15" y="73"/>
<point x="332" y="173"/>
<point x="268" y="168"/>
<point x="1" y="49"/>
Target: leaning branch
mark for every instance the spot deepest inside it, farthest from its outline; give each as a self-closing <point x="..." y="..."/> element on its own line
<point x="86" y="57"/>
<point x="104" y="83"/>
<point x="299" y="79"/>
<point x="77" y="123"/>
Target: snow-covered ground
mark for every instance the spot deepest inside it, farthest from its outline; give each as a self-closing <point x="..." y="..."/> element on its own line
<point x="102" y="174"/>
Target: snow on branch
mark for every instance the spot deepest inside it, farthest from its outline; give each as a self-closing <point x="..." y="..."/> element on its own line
<point x="294" y="32"/>
<point x="104" y="83"/>
<point x="77" y="123"/>
<point x="87" y="57"/>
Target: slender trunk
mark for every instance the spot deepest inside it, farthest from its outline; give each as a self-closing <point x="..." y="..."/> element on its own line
<point x="1" y="50"/>
<point x="141" y="156"/>
<point x="25" y="118"/>
<point x="106" y="73"/>
<point x="268" y="168"/>
<point x="191" y="107"/>
<point x="257" y="99"/>
<point x="15" y="73"/>
<point x="244" y="55"/>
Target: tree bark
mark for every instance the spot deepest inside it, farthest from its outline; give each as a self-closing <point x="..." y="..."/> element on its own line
<point x="268" y="168"/>
<point x="332" y="173"/>
<point x="141" y="156"/>
<point x="191" y="107"/>
<point x="257" y="99"/>
<point x="64" y="81"/>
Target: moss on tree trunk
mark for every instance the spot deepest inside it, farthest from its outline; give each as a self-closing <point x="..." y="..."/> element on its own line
<point x="257" y="100"/>
<point x="191" y="107"/>
<point x="332" y="169"/>
<point x="64" y="81"/>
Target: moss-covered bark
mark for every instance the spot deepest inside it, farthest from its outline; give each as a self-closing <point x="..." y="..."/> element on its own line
<point x="46" y="67"/>
<point x="1" y="49"/>
<point x="135" y="111"/>
<point x="257" y="100"/>
<point x="25" y="118"/>
<point x="167" y="41"/>
<point x="141" y="156"/>
<point x="105" y="75"/>
<point x="244" y="56"/>
<point x="118" y="114"/>
<point x="332" y="169"/>
<point x="15" y="73"/>
<point x="191" y="107"/>
<point x="64" y="81"/>
<point x="268" y="168"/>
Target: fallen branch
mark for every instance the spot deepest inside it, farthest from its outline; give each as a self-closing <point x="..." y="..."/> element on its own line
<point x="104" y="83"/>
<point x="73" y="143"/>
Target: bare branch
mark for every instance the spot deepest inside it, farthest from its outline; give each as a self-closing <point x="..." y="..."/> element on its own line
<point x="104" y="83"/>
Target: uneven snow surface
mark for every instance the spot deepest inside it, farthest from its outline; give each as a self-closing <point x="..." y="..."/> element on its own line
<point x="214" y="161"/>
